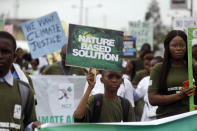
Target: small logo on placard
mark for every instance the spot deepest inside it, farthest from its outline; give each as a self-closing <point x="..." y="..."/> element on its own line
<point x="66" y="95"/>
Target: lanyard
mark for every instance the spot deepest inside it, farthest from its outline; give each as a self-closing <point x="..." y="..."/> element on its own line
<point x="62" y="68"/>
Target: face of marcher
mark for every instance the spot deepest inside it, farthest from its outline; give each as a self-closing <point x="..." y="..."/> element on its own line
<point x="19" y="54"/>
<point x="34" y="64"/>
<point x="129" y="67"/>
<point x="147" y="65"/>
<point x="6" y="56"/>
<point x="111" y="80"/>
<point x="177" y="48"/>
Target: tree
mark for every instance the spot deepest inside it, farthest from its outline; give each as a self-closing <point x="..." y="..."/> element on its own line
<point x="153" y="15"/>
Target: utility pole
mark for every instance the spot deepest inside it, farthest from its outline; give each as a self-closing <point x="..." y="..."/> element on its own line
<point x="191" y="10"/>
<point x="81" y="12"/>
<point x="86" y="15"/>
<point x="16" y="8"/>
<point x="104" y="21"/>
<point x="87" y="12"/>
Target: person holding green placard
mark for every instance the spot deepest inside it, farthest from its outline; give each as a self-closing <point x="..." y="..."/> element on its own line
<point x="107" y="107"/>
<point x="166" y="79"/>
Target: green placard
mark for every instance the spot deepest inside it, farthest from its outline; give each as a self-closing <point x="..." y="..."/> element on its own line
<point x="94" y="47"/>
<point x="192" y="34"/>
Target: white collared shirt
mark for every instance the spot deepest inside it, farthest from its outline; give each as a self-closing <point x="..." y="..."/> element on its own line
<point x="149" y="112"/>
<point x="8" y="78"/>
<point x="20" y="73"/>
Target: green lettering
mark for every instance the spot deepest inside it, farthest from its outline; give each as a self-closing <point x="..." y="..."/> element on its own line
<point x="56" y="119"/>
<point x="72" y="119"/>
<point x="38" y="118"/>
<point x="61" y="119"/>
<point x="68" y="119"/>
<point x="51" y="119"/>
<point x="45" y="119"/>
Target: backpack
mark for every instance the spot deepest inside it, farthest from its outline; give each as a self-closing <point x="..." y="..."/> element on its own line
<point x="98" y="100"/>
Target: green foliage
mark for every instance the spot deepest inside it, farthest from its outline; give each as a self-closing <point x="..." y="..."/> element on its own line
<point x="153" y="15"/>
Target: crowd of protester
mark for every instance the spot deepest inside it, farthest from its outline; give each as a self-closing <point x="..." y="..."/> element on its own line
<point x="149" y="87"/>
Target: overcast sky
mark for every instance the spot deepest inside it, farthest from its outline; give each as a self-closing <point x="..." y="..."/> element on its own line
<point x="113" y="14"/>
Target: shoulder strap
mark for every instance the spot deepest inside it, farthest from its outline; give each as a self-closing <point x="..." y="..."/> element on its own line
<point x="62" y="68"/>
<point x="24" y="92"/>
<point x="98" y="100"/>
<point x="125" y="107"/>
<point x="70" y="70"/>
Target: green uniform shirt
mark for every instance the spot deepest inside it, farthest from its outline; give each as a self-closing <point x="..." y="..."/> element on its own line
<point x="55" y="69"/>
<point x="138" y="76"/>
<point x="10" y="103"/>
<point x="139" y="64"/>
<point x="139" y="108"/>
<point x="111" y="111"/>
<point x="175" y="79"/>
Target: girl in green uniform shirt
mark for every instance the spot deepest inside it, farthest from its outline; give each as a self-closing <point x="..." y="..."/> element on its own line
<point x="166" y="80"/>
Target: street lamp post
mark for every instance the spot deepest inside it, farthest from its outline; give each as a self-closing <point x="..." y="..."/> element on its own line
<point x="87" y="12"/>
<point x="191" y="10"/>
<point x="16" y="8"/>
<point x="81" y="12"/>
<point x="81" y="8"/>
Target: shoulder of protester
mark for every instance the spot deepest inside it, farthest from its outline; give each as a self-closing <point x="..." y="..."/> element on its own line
<point x="158" y="66"/>
<point x="54" y="65"/>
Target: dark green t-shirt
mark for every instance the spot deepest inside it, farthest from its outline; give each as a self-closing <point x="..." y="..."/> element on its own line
<point x="56" y="69"/>
<point x="111" y="111"/>
<point x="139" y="64"/>
<point x="11" y="105"/>
<point x="175" y="79"/>
<point x="138" y="76"/>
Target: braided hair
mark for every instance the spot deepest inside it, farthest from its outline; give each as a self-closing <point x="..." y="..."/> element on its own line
<point x="167" y="57"/>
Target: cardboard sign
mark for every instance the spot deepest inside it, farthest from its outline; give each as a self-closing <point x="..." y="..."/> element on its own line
<point x="94" y="47"/>
<point x="54" y="57"/>
<point x="143" y="31"/>
<point x="44" y="35"/>
<point x="129" y="47"/>
<point x="182" y="23"/>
